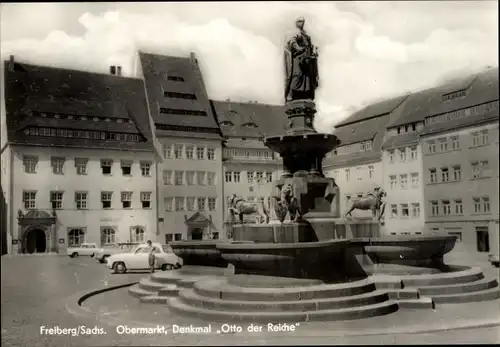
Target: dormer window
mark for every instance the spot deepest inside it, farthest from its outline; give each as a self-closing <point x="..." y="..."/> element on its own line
<point x="399" y="130"/>
<point x="414" y="127"/>
<point x="226" y="123"/>
<point x="454" y="95"/>
<point x="250" y="125"/>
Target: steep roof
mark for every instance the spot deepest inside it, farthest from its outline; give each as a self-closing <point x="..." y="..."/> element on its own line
<point x="374" y="110"/>
<point x="455" y="124"/>
<point x="48" y="97"/>
<point x="176" y="93"/>
<point x="238" y="119"/>
<point x="401" y="140"/>
<point x="481" y="88"/>
<point x="352" y="159"/>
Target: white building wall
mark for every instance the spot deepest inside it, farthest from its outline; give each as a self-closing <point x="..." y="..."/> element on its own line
<point x="94" y="218"/>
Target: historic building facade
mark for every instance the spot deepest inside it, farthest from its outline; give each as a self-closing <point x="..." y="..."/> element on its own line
<point x="78" y="162"/>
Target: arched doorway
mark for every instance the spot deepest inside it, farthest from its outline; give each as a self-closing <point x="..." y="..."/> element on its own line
<point x="197" y="234"/>
<point x="36" y="241"/>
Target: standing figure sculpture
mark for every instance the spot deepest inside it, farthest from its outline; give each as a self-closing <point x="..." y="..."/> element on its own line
<point x="287" y="204"/>
<point x="373" y="202"/>
<point x="239" y="207"/>
<point x="301" y="66"/>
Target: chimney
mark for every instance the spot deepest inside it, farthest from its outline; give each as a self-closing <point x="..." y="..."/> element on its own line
<point x="112" y="70"/>
<point x="192" y="58"/>
<point x="118" y="70"/>
<point x="11" y="63"/>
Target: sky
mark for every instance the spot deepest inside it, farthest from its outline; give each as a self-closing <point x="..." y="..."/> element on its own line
<point x="368" y="50"/>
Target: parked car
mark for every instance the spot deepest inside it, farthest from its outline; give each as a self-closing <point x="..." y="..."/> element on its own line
<point x="494" y="259"/>
<point x="86" y="248"/>
<point x="138" y="259"/>
<point x="115" y="248"/>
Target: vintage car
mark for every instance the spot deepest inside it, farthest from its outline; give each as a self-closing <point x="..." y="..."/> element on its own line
<point x="139" y="258"/>
<point x="86" y="248"/>
<point x="115" y="248"/>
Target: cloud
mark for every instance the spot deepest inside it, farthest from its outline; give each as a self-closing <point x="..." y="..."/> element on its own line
<point x="367" y="52"/>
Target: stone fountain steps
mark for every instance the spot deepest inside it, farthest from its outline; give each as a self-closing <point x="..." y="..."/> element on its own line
<point x="149" y="285"/>
<point x="191" y="298"/>
<point x="421" y="302"/>
<point x="475" y="286"/>
<point x="403" y="293"/>
<point x="351" y="313"/>
<point x="449" y="278"/>
<point x="155" y="299"/>
<point x="138" y="292"/>
<point x="482" y="295"/>
<point x="222" y="290"/>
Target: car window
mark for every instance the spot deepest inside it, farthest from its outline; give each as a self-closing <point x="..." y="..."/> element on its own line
<point x="84" y="246"/>
<point x="140" y="250"/>
<point x="156" y="250"/>
<point x="167" y="249"/>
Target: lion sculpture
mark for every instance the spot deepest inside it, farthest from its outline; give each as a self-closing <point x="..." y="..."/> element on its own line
<point x="240" y="207"/>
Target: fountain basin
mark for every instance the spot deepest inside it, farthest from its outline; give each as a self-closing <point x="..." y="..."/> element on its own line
<point x="427" y="251"/>
<point x="325" y="260"/>
<point x="199" y="253"/>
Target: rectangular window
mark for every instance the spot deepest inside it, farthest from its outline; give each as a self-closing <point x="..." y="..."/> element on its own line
<point x="179" y="151"/>
<point x="431" y="146"/>
<point x="179" y="95"/>
<point x="393" y="181"/>
<point x="405" y="211"/>
<point x="259" y="176"/>
<point x="347" y="174"/>
<point x="250" y="177"/>
<point x="477" y="205"/>
<point x="371" y="171"/>
<point x="445" y="174"/>
<point x="30" y="163"/>
<point x="415" y="210"/>
<point x="126" y="198"/>
<point x="403" y="181"/>
<point x="475" y="139"/>
<point x="434" y="208"/>
<point x="215" y="235"/>
<point x="236" y="177"/>
<point x="76" y="237"/>
<point x="432" y="175"/>
<point x="486" y="204"/>
<point x="57" y="165"/>
<point x="229" y="176"/>
<point x="169" y="238"/>
<point x="457" y="173"/>
<point x="368" y="145"/>
<point x="179" y="203"/>
<point x="359" y="173"/>
<point x="201" y="203"/>
<point x="189" y="152"/>
<point x="106" y="165"/>
<point x="269" y="177"/>
<point x="106" y="199"/>
<point x="212" y="203"/>
<point x="443" y="144"/>
<point x="167" y="152"/>
<point x="81" y="200"/>
<point x="446" y="207"/>
<point x="81" y="166"/>
<point x="392" y="156"/>
<point x="455" y="143"/>
<point x="210" y="154"/>
<point x="200" y="153"/>
<point x="459" y="208"/>
<point x="190" y="178"/>
<point x="484" y="137"/>
<point x="178" y="236"/>
<point x="190" y="202"/>
<point x="200" y="177"/>
<point x="483" y="239"/>
<point x="394" y="211"/>
<point x="146" y="199"/>
<point x="167" y="177"/>
<point x="179" y="178"/>
<point x="146" y="169"/>
<point x="56" y="200"/>
<point x="169" y="204"/>
<point x="29" y="200"/>
<point x="402" y="154"/>
<point x="211" y="178"/>
<point x="480" y="169"/>
<point x="126" y="166"/>
<point x="414" y="180"/>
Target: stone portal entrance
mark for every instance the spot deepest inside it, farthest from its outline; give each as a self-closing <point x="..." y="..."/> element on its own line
<point x="199" y="227"/>
<point x="37" y="232"/>
<point x="36" y="241"/>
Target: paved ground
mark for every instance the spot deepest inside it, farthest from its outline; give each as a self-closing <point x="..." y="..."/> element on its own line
<point x="35" y="289"/>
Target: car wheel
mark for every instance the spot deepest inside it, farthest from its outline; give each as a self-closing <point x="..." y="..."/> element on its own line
<point x="496" y="264"/>
<point x="178" y="266"/>
<point x="92" y="255"/>
<point x="167" y="267"/>
<point x="119" y="267"/>
<point x="74" y="255"/>
<point x="102" y="261"/>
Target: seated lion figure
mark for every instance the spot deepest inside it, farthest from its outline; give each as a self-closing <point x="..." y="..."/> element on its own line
<point x="240" y="207"/>
<point x="287" y="204"/>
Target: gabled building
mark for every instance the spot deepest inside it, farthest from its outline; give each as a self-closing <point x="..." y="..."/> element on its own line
<point x="249" y="166"/>
<point x="188" y="136"/>
<point x="356" y="163"/>
<point x="77" y="156"/>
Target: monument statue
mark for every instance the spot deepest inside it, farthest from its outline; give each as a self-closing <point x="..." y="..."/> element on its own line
<point x="301" y="68"/>
<point x="372" y="201"/>
<point x="287" y="203"/>
<point x="240" y="207"/>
